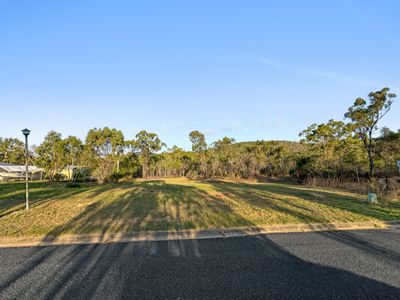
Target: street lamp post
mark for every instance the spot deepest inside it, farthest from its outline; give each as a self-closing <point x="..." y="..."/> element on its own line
<point x="26" y="133"/>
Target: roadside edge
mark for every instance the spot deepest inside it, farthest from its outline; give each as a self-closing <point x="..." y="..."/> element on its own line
<point x="189" y="234"/>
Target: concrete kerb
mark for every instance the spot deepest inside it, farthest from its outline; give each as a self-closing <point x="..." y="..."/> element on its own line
<point x="188" y="234"/>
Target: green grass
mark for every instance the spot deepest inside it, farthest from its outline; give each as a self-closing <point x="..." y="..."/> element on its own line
<point x="176" y="203"/>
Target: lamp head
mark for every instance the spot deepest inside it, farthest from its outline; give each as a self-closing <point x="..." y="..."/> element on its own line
<point x="26" y="132"/>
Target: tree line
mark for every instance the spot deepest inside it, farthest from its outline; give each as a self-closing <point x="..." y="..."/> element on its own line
<point x="352" y="150"/>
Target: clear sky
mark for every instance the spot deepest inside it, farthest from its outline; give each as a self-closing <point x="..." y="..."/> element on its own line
<point x="246" y="69"/>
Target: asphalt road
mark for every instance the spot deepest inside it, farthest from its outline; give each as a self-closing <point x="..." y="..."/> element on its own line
<point x="353" y="265"/>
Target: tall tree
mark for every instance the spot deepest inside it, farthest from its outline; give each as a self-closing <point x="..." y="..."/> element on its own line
<point x="388" y="148"/>
<point x="105" y="141"/>
<point x="12" y="151"/>
<point x="365" y="117"/>
<point x="198" y="141"/>
<point x="329" y="142"/>
<point x="199" y="146"/>
<point x="73" y="148"/>
<point x="146" y="144"/>
<point x="104" y="147"/>
<point x="223" y="154"/>
<point x="51" y="154"/>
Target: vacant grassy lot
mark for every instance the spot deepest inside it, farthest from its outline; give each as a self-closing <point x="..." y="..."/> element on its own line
<point x="176" y="203"/>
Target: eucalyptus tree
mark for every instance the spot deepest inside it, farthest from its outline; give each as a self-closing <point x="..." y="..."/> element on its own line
<point x="104" y="147"/>
<point x="199" y="146"/>
<point x="222" y="151"/>
<point x="365" y="116"/>
<point x="73" y="148"/>
<point x="146" y="143"/>
<point x="51" y="155"/>
<point x="388" y="149"/>
<point x="105" y="141"/>
<point x="328" y="142"/>
<point x="198" y="141"/>
<point x="12" y="151"/>
<point x="274" y="158"/>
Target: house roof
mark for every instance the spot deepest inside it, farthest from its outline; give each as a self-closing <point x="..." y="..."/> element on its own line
<point x="18" y="168"/>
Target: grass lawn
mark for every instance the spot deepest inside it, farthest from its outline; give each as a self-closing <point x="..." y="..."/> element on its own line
<point x="175" y="203"/>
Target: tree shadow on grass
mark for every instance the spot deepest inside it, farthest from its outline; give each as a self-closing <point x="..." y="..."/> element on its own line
<point x="41" y="193"/>
<point x="260" y="194"/>
<point x="347" y="202"/>
<point x="147" y="206"/>
<point x="248" y="267"/>
<point x="281" y="208"/>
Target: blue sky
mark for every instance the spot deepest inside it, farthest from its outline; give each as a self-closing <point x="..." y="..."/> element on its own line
<point x="246" y="69"/>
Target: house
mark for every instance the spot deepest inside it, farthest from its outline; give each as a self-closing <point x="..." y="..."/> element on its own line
<point x="17" y="172"/>
<point x="74" y="172"/>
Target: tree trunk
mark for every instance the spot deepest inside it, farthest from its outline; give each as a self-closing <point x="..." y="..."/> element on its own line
<point x="358" y="176"/>
<point x="371" y="162"/>
<point x="370" y="158"/>
<point x="387" y="175"/>
<point x="145" y="166"/>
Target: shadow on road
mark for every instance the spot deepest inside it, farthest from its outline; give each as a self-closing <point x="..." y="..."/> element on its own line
<point x="248" y="267"/>
<point x="352" y="240"/>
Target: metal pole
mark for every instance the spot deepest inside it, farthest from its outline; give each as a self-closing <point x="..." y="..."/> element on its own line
<point x="26" y="172"/>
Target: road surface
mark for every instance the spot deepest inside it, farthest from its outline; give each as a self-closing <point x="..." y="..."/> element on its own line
<point x="320" y="265"/>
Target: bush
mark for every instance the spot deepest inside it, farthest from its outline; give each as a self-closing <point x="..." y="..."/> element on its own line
<point x="115" y="177"/>
<point x="72" y="185"/>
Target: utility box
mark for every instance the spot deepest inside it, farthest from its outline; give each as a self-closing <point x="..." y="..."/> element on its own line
<point x="398" y="165"/>
<point x="372" y="198"/>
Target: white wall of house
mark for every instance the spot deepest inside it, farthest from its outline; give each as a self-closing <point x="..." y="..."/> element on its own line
<point x="17" y="172"/>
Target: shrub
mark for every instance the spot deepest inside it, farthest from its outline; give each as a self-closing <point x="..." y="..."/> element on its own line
<point x="72" y="185"/>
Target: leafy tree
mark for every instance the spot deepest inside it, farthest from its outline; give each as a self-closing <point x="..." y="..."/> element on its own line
<point x="175" y="162"/>
<point x="73" y="148"/>
<point x="104" y="147"/>
<point x="274" y="156"/>
<point x="388" y="148"/>
<point x="146" y="144"/>
<point x="329" y="142"/>
<point x="325" y="136"/>
<point x="105" y="141"/>
<point x="12" y="151"/>
<point x="198" y="141"/>
<point x="225" y="142"/>
<point x="130" y="166"/>
<point x="199" y="146"/>
<point x="51" y="154"/>
<point x="221" y="163"/>
<point x="365" y="117"/>
<point x="355" y="157"/>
